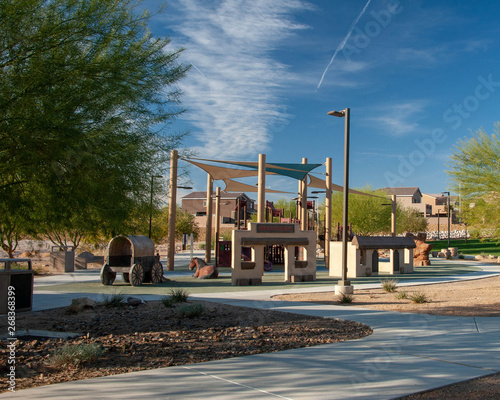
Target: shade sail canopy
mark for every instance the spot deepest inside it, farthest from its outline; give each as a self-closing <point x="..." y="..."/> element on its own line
<point x="235" y="186"/>
<point x="296" y="171"/>
<point x="223" y="172"/>
<point x="321" y="184"/>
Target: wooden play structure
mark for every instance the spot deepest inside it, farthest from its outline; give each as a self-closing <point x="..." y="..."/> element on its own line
<point x="363" y="256"/>
<point x="259" y="235"/>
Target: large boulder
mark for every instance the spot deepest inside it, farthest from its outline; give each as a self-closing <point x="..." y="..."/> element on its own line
<point x="421" y="252"/>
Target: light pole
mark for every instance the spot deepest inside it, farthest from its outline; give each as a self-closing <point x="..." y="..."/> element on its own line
<point x="151" y="202"/>
<point x="449" y="213"/>
<point x="439" y="234"/>
<point x="344" y="286"/>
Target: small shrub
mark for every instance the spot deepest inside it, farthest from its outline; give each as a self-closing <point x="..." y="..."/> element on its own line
<point x="76" y="354"/>
<point x="114" y="300"/>
<point x="346" y="298"/>
<point x="167" y="301"/>
<point x="190" y="310"/>
<point x="389" y="285"/>
<point x="179" y="295"/>
<point x="401" y="295"/>
<point x="419" y="297"/>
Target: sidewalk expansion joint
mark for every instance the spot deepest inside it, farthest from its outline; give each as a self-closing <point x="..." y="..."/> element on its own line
<point x="237" y="383"/>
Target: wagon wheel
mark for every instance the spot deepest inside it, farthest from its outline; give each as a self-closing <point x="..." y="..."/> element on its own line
<point x="156" y="272"/>
<point x="136" y="275"/>
<point x="107" y="275"/>
<point x="126" y="277"/>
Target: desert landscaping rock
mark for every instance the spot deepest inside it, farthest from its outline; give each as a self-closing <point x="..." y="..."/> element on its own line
<point x="152" y="336"/>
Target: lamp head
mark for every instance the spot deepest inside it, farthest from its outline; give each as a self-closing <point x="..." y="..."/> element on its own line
<point x="337" y="113"/>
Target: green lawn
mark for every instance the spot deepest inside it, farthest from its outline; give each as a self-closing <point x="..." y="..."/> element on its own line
<point x="472" y="246"/>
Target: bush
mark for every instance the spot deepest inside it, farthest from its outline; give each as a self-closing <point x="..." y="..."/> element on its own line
<point x="389" y="285"/>
<point x="346" y="298"/>
<point x="190" y="310"/>
<point x="178" y="295"/>
<point x="76" y="354"/>
<point x="114" y="300"/>
<point x="401" y="295"/>
<point x="419" y="297"/>
<point x="167" y="301"/>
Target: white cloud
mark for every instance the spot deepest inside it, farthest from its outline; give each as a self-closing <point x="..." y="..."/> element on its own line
<point x="400" y="119"/>
<point x="232" y="91"/>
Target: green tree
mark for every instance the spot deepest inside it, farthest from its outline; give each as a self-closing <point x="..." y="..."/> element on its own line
<point x="410" y="220"/>
<point x="371" y="215"/>
<point x="87" y="96"/>
<point x="367" y="214"/>
<point x="474" y="170"/>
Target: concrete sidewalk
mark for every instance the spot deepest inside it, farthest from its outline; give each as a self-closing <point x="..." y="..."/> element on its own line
<point x="407" y="353"/>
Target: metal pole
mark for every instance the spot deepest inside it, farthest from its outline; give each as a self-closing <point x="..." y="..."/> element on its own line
<point x="439" y="235"/>
<point x="151" y="207"/>
<point x="172" y="208"/>
<point x="449" y="214"/>
<point x="344" y="281"/>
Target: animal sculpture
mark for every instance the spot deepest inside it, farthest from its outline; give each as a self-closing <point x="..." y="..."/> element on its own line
<point x="203" y="270"/>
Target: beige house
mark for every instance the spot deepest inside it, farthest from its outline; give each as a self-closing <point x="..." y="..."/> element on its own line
<point x="410" y="197"/>
<point x="195" y="203"/>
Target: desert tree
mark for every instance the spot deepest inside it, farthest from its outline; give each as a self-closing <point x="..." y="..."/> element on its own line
<point x="87" y="98"/>
<point x="474" y="170"/>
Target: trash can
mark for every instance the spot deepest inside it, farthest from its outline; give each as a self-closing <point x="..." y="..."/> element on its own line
<point x="62" y="259"/>
<point x="224" y="253"/>
<point x="22" y="282"/>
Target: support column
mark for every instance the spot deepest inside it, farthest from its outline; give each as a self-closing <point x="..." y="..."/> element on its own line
<point x="303" y="196"/>
<point x="393" y="215"/>
<point x="208" y="229"/>
<point x="261" y="194"/>
<point x="217" y="225"/>
<point x="328" y="211"/>
<point x="172" y="209"/>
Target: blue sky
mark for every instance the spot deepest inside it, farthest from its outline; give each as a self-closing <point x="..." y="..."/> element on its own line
<point x="416" y="75"/>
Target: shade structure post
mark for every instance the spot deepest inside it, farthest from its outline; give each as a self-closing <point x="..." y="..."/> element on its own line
<point x="172" y="209"/>
<point x="217" y="225"/>
<point x="261" y="193"/>
<point x="208" y="226"/>
<point x="303" y="196"/>
<point x="328" y="211"/>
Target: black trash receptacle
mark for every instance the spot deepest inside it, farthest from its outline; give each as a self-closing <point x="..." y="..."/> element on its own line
<point x="21" y="280"/>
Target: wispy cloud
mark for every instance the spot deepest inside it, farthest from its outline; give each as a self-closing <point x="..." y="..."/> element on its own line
<point x="343" y="43"/>
<point x="400" y="119"/>
<point x="232" y="92"/>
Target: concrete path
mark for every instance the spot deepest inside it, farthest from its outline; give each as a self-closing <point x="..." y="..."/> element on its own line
<point x="407" y="353"/>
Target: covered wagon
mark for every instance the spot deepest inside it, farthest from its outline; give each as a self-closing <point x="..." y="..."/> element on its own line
<point x="132" y="256"/>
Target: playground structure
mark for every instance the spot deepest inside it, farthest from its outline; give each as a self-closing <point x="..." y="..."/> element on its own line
<point x="260" y="235"/>
<point x="132" y="256"/>
<point x="363" y="256"/>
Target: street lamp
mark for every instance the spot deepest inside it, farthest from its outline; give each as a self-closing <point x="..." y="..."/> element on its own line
<point x="344" y="286"/>
<point x="151" y="202"/>
<point x="448" y="195"/>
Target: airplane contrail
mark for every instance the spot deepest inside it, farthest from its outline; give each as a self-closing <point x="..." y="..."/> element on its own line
<point x="342" y="44"/>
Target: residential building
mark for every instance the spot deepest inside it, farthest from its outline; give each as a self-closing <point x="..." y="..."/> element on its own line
<point x="196" y="204"/>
